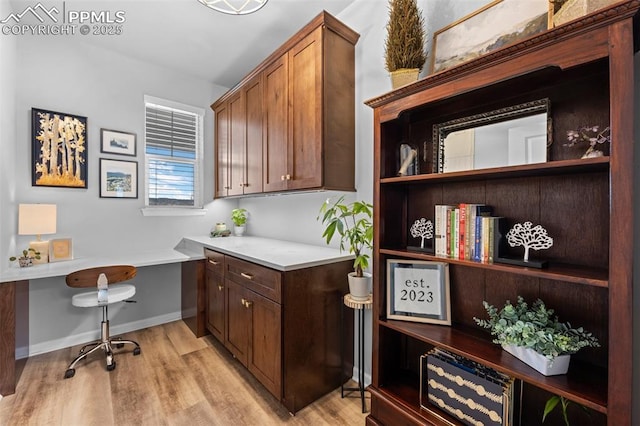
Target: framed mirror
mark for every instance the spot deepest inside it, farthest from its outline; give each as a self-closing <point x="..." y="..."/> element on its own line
<point x="519" y="134"/>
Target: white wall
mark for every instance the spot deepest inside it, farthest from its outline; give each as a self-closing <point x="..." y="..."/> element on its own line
<point x="7" y="138"/>
<point x="61" y="75"/>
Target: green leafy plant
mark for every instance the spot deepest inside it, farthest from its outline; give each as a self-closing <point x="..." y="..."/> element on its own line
<point x="553" y="402"/>
<point x="534" y="327"/>
<point x="239" y="217"/>
<point x="29" y="253"/>
<point x="404" y="45"/>
<point x="353" y="224"/>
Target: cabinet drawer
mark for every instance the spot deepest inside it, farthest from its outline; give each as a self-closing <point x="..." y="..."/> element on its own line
<point x="264" y="281"/>
<point x="215" y="261"/>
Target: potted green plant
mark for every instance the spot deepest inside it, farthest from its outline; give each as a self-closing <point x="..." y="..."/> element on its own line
<point x="239" y="218"/>
<point x="535" y="336"/>
<point x="404" y="50"/>
<point x="352" y="222"/>
<point x="27" y="257"/>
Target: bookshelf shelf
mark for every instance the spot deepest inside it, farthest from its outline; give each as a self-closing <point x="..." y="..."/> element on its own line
<point x="556" y="271"/>
<point x="586" y="70"/>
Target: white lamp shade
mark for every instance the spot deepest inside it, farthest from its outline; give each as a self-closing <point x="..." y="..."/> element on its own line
<point x="36" y="219"/>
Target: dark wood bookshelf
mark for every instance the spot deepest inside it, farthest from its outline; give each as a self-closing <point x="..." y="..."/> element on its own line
<point x="575" y="274"/>
<point x="585" y="69"/>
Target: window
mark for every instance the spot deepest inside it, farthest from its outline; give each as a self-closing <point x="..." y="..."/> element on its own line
<point x="173" y="154"/>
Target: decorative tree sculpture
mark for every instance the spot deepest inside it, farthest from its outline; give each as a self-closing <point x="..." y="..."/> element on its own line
<point x="536" y="238"/>
<point x="422" y="228"/>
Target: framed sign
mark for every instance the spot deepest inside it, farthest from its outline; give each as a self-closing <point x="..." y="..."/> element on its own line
<point x="60" y="249"/>
<point x="418" y="291"/>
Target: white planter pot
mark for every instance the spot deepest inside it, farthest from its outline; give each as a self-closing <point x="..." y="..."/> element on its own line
<point x="541" y="363"/>
<point x="238" y="231"/>
<point x="359" y="286"/>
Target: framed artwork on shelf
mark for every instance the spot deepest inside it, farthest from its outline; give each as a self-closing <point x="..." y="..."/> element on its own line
<point x="117" y="142"/>
<point x="418" y="291"/>
<point x="496" y="25"/>
<point x="118" y="178"/>
<point x="60" y="249"/>
<point x="58" y="149"/>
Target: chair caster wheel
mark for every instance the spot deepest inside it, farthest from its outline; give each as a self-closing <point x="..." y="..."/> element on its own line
<point x="112" y="366"/>
<point x="119" y="345"/>
<point x="136" y="351"/>
<point x="69" y="373"/>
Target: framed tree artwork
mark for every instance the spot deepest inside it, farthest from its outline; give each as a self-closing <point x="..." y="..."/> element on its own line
<point x="59" y="149"/>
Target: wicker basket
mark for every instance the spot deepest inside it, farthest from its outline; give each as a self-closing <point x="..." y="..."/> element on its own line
<point x="403" y="76"/>
<point x="574" y="9"/>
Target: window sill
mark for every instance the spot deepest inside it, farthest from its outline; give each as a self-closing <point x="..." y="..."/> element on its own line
<point x="168" y="211"/>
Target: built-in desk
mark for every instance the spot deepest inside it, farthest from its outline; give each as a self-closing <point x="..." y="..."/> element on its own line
<point x="14" y="295"/>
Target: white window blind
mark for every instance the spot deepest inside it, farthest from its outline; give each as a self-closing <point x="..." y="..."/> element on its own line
<point x="173" y="154"/>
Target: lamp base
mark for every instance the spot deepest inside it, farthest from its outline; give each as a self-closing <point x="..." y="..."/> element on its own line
<point x="43" y="248"/>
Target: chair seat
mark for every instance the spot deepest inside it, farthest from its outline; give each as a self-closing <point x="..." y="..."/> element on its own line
<point x="117" y="293"/>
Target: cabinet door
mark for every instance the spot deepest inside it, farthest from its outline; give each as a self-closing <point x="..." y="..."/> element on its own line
<point x="265" y="360"/>
<point x="254" y="129"/>
<point x="237" y="128"/>
<point x="305" y="93"/>
<point x="215" y="305"/>
<point x="276" y="125"/>
<point x="222" y="150"/>
<point x="238" y="322"/>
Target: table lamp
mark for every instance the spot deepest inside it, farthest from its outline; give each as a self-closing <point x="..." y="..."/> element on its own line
<point x="37" y="219"/>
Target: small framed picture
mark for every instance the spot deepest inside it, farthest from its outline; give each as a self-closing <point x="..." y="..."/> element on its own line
<point x="60" y="249"/>
<point x="118" y="178"/>
<point x="116" y="142"/>
<point x="418" y="291"/>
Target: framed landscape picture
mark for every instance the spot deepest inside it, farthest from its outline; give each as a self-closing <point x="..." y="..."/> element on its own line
<point x="496" y="25"/>
<point x="116" y="142"/>
<point x="59" y="149"/>
<point x="118" y="178"/>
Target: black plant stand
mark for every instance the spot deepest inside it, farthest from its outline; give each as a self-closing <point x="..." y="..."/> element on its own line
<point x="360" y="306"/>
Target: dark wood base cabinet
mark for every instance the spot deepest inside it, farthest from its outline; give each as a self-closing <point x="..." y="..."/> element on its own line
<point x="282" y="326"/>
<point x="585" y="69"/>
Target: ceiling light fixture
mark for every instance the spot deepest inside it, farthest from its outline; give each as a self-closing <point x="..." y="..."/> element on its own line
<point x="235" y="7"/>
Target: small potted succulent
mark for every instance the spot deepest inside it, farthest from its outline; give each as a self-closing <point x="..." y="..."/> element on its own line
<point x="535" y="336"/>
<point x="27" y="257"/>
<point x="239" y="218"/>
<point x="352" y="222"/>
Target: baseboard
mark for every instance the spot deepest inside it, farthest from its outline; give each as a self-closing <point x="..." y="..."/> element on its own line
<point x="89" y="336"/>
<point x="356" y="376"/>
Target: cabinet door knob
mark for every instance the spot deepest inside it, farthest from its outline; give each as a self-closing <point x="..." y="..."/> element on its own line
<point x="247" y="276"/>
<point x="220" y="287"/>
<point x="247" y="304"/>
<point x="288" y="177"/>
<point x="243" y="302"/>
<point x="213" y="262"/>
<point x="282" y="177"/>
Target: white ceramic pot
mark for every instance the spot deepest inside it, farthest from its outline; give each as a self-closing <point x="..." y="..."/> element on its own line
<point x="238" y="231"/>
<point x="541" y="363"/>
<point x="359" y="286"/>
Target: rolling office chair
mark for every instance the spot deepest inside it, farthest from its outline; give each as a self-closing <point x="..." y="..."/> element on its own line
<point x="98" y="278"/>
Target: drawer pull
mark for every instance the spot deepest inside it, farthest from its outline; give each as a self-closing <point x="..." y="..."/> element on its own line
<point x="247" y="276"/>
<point x="220" y="287"/>
<point x="213" y="262"/>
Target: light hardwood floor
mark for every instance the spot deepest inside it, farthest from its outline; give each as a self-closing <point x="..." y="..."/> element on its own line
<point x="177" y="380"/>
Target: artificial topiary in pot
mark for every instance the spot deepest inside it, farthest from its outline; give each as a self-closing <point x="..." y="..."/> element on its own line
<point x="534" y="335"/>
<point x="404" y="50"/>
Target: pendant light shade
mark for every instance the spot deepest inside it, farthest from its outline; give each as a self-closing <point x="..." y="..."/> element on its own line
<point x="234" y="7"/>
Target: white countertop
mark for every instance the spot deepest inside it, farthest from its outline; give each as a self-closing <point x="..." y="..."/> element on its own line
<point x="276" y="254"/>
<point x="138" y="259"/>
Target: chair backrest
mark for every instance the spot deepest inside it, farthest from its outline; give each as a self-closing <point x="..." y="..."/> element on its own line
<point x="86" y="278"/>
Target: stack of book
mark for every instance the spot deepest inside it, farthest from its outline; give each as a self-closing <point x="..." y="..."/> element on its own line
<point x="468" y="232"/>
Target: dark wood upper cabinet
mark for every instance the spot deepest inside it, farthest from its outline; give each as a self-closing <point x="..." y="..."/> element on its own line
<point x="306" y="114"/>
<point x="586" y="69"/>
